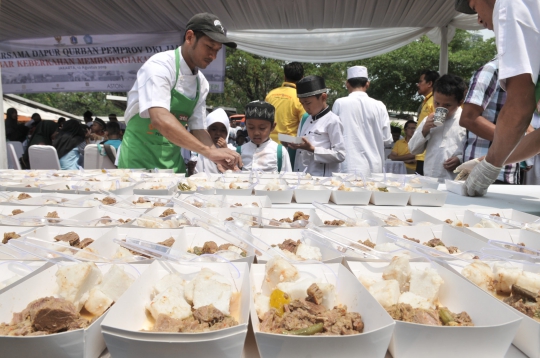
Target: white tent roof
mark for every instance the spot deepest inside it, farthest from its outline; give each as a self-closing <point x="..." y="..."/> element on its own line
<point x="26" y="107"/>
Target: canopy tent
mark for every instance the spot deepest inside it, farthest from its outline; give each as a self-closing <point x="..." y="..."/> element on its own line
<point x="25" y="108"/>
<point x="302" y="30"/>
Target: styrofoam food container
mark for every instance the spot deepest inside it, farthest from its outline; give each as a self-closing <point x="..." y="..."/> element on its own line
<point x="278" y="214"/>
<point x="283" y="196"/>
<point x="261" y="201"/>
<point x="275" y="237"/>
<point x="90" y="217"/>
<point x="289" y="139"/>
<point x="14" y="272"/>
<point x="357" y="196"/>
<point x="394" y="197"/>
<point x="495" y="323"/>
<point x="319" y="193"/>
<point x="378" y="325"/>
<point x="128" y="317"/>
<point x="41" y="212"/>
<point x="433" y="198"/>
<point x="85" y="343"/>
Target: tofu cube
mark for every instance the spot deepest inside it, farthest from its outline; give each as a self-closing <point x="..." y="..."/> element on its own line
<point x="367" y="281"/>
<point x="329" y="295"/>
<point x="115" y="282"/>
<point x="97" y="302"/>
<point x="399" y="270"/>
<point x="308" y="252"/>
<point x="171" y="303"/>
<point x="415" y="301"/>
<point x="296" y="290"/>
<point x="480" y="274"/>
<point x="173" y="279"/>
<point x="529" y="281"/>
<point x="76" y="281"/>
<point x="426" y="284"/>
<point x="205" y="273"/>
<point x="278" y="270"/>
<point x="122" y="253"/>
<point x="209" y="291"/>
<point x="387" y="247"/>
<point x="385" y="292"/>
<point x="505" y="276"/>
<point x="262" y="304"/>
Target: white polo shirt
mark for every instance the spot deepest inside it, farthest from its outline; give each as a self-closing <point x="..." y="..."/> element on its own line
<point x="153" y="88"/>
<point x="517" y="31"/>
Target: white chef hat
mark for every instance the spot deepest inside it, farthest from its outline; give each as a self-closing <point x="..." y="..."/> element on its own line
<point x="357" y="71"/>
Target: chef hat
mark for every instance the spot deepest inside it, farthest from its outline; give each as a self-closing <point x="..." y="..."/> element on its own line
<point x="310" y="86"/>
<point x="356" y="72"/>
<point x="260" y="110"/>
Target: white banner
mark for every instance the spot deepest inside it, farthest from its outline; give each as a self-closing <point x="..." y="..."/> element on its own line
<point x="107" y="63"/>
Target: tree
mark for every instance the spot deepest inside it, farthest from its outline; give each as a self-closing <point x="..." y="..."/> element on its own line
<point x="79" y="102"/>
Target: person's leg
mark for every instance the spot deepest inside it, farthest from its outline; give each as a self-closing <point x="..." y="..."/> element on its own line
<point x="420" y="167"/>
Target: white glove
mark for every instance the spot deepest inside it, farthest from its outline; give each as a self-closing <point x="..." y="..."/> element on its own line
<point x="481" y="177"/>
<point x="468" y="166"/>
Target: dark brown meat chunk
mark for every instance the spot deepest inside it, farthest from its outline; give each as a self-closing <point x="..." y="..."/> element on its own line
<point x="209" y="247"/>
<point x="85" y="243"/>
<point x="226" y="247"/>
<point x="169" y="242"/>
<point x="17" y="212"/>
<point x="167" y="212"/>
<point x="108" y="200"/>
<point x="208" y="314"/>
<point x="411" y="239"/>
<point x="300" y="216"/>
<point x="290" y="245"/>
<point x="8" y="236"/>
<point x="334" y="222"/>
<point x="315" y="294"/>
<point x="23" y="196"/>
<point x="452" y="249"/>
<point x="230" y="218"/>
<point x="434" y="242"/>
<point x="404" y="312"/>
<point x="204" y="319"/>
<point x="71" y="237"/>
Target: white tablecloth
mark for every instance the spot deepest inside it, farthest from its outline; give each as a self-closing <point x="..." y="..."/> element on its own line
<point x="395" y="167"/>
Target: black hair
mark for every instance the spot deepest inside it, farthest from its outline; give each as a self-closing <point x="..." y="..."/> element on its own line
<point x="430" y="76"/>
<point x="113" y="128"/>
<point x="294" y="71"/>
<point x="87" y="114"/>
<point x="37" y="117"/>
<point x="451" y="85"/>
<point x="358" y="82"/>
<point x="198" y="34"/>
<point x="409" y="122"/>
<point x="395" y="129"/>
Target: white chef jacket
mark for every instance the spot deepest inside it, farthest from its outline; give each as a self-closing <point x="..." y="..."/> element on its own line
<point x="325" y="133"/>
<point x="441" y="144"/>
<point x="155" y="80"/>
<point x="366" y="128"/>
<point x="517" y="32"/>
<point x="264" y="157"/>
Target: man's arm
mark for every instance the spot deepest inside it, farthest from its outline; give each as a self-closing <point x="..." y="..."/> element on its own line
<point x="472" y="120"/>
<point x="394" y="156"/>
<point x="514" y="118"/>
<point x="527" y="148"/>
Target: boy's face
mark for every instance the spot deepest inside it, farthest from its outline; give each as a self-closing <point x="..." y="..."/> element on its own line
<point x="313" y="105"/>
<point x="216" y="131"/>
<point x="448" y="102"/>
<point x="259" y="130"/>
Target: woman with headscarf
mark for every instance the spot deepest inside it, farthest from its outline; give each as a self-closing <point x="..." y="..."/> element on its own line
<point x="42" y="136"/>
<point x="69" y="144"/>
<point x="15" y="131"/>
<point x="218" y="128"/>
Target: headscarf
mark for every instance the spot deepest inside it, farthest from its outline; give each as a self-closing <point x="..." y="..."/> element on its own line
<point x="42" y="135"/>
<point x="14" y="130"/>
<point x="219" y="116"/>
<point x="69" y="137"/>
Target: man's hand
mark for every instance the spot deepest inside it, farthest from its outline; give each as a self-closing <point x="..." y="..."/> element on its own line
<point x="225" y="157"/>
<point x="429" y="123"/>
<point x="481" y="177"/>
<point x="451" y="163"/>
<point x="221" y="143"/>
<point x="306" y="145"/>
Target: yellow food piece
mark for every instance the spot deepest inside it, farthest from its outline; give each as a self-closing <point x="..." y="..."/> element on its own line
<point x="278" y="299"/>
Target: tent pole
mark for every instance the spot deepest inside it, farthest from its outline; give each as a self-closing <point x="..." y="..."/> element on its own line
<point x="443" y="57"/>
<point x="3" y="148"/>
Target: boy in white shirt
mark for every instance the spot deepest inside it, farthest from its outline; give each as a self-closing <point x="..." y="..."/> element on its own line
<point x="444" y="143"/>
<point x="262" y="153"/>
<point x="323" y="147"/>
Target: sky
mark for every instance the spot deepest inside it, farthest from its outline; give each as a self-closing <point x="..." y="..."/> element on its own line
<point x="487" y="34"/>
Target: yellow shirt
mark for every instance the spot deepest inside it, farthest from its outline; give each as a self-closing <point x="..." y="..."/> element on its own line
<point x="427" y="109"/>
<point x="401" y="148"/>
<point x="289" y="111"/>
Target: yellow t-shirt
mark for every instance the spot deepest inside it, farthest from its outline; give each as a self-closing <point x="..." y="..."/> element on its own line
<point x="427" y="109"/>
<point x="289" y="110"/>
<point x="401" y="148"/>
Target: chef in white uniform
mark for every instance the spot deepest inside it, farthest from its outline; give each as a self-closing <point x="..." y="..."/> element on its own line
<point x="366" y="125"/>
<point x="323" y="148"/>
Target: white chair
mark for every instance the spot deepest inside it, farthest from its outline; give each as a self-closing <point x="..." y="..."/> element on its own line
<point x="43" y="157"/>
<point x="19" y="151"/>
<point x="94" y="160"/>
<point x="13" y="159"/>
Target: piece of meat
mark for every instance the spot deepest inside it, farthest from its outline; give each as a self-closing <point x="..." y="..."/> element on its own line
<point x="17" y="212"/>
<point x="124" y="221"/>
<point x="300" y="216"/>
<point x="404" y="312"/>
<point x="290" y="245"/>
<point x="208" y="314"/>
<point x="448" y="221"/>
<point x="167" y="212"/>
<point x="141" y="200"/>
<point x="9" y="235"/>
<point x="169" y="242"/>
<point x="165" y="323"/>
<point x="209" y="247"/>
<point x="409" y="220"/>
<point x="315" y="294"/>
<point x="52" y="314"/>
<point x="255" y="204"/>
<point x="334" y="222"/>
<point x="411" y="239"/>
<point x="52" y="214"/>
<point x="434" y="242"/>
<point x="452" y="249"/>
<point x="85" y="243"/>
<point x="284" y="220"/>
<point x="159" y="204"/>
<point x="526" y="295"/>
<point x="23" y="196"/>
<point x="108" y="200"/>
<point x="230" y="218"/>
<point x="71" y="237"/>
<point x="368" y="243"/>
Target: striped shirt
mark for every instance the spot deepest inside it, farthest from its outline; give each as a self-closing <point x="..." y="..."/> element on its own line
<point x="485" y="91"/>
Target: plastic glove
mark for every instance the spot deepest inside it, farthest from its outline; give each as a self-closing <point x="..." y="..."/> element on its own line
<point x="481" y="177"/>
<point x="465" y="169"/>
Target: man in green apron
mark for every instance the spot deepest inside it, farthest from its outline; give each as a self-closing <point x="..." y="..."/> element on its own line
<point x="169" y="92"/>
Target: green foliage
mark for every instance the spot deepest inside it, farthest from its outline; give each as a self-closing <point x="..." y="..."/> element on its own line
<point x="79" y="102"/>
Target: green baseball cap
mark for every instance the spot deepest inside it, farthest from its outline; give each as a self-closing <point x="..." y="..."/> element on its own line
<point x="463" y="6"/>
<point x="210" y="25"/>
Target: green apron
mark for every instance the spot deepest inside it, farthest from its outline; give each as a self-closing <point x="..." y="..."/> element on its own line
<point x="144" y="147"/>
